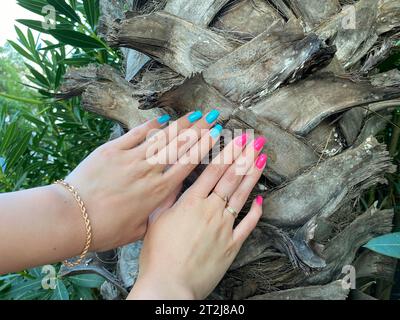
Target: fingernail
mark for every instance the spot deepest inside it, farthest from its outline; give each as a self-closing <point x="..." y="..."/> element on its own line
<point x="216" y="131"/>
<point x="259" y="200"/>
<point x="164" y="119"/>
<point x="242" y="140"/>
<point x="261" y="161"/>
<point x="259" y="143"/>
<point x="193" y="117"/>
<point x="212" y="116"/>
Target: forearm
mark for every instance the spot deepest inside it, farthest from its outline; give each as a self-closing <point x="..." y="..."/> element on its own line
<point x="37" y="227"/>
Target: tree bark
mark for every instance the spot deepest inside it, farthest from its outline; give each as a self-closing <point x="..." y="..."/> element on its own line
<point x="304" y="74"/>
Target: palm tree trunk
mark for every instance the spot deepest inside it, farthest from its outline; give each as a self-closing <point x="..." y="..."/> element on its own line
<point x="301" y="72"/>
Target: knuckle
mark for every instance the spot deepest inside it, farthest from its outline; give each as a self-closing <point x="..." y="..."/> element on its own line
<point x="241" y="196"/>
<point x="231" y="177"/>
<point x="106" y="151"/>
<point x="216" y="170"/>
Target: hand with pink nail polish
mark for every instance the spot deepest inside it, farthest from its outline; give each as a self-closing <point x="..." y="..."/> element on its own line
<point x="188" y="248"/>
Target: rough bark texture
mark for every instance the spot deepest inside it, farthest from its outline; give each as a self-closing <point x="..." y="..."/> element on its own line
<point x="301" y="72"/>
<point x="332" y="291"/>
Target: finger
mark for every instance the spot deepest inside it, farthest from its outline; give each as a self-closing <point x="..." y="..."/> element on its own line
<point x="216" y="169"/>
<point x="249" y="222"/>
<point x="158" y="140"/>
<point x="188" y="162"/>
<point x="137" y="135"/>
<point x="234" y="175"/>
<point x="242" y="193"/>
<point x="187" y="139"/>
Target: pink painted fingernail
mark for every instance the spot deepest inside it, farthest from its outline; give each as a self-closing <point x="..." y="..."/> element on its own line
<point x="259" y="200"/>
<point x="259" y="143"/>
<point x="242" y="140"/>
<point x="261" y="161"/>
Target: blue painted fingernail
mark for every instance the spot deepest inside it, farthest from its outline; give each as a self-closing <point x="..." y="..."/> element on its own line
<point x="164" y="119"/>
<point x="212" y="116"/>
<point x="193" y="117"/>
<point x="216" y="131"/>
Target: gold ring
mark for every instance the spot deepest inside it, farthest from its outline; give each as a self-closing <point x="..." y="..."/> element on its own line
<point x="225" y="199"/>
<point x="232" y="211"/>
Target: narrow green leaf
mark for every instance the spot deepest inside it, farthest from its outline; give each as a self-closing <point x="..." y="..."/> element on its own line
<point x="32" y="42"/>
<point x="21" y="51"/>
<point x="73" y="4"/>
<point x="65" y="9"/>
<point x="388" y="245"/>
<point x="41" y="78"/>
<point x="51" y="47"/>
<point x="59" y="74"/>
<point x="35" y="6"/>
<point x="78" y="61"/>
<point x="36" y="272"/>
<point x="8" y="137"/>
<point x="92" y="12"/>
<point x="21" y="36"/>
<point x="83" y="293"/>
<point x="76" y="39"/>
<point x="19" y="149"/>
<point x="5" y="286"/>
<point x="87" y="280"/>
<point x="60" y="292"/>
<point x="22" y="287"/>
<point x="33" y="24"/>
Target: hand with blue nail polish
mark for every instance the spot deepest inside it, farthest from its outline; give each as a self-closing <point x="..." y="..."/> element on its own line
<point x="212" y="116"/>
<point x="119" y="186"/>
<point x="164" y="119"/>
<point x="195" y="116"/>
<point x="216" y="131"/>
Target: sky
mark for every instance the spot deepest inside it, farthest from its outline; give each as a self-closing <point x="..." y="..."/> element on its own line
<point x="8" y="13"/>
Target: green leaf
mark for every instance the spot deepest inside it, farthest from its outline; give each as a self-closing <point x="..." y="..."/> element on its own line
<point x="60" y="292"/>
<point x="388" y="245"/>
<point x="92" y="12"/>
<point x="8" y="137"/>
<point x="76" y="39"/>
<point x="21" y="51"/>
<point x="21" y="36"/>
<point x="51" y="47"/>
<point x="36" y="272"/>
<point x="78" y="61"/>
<point x="33" y="24"/>
<point x="87" y="280"/>
<point x="31" y="40"/>
<point x="39" y="77"/>
<point x="23" y="287"/>
<point x="73" y="4"/>
<point x="65" y="9"/>
<point x="83" y="293"/>
<point x="19" y="149"/>
<point x="59" y="74"/>
<point x="35" y="6"/>
<point x="21" y="99"/>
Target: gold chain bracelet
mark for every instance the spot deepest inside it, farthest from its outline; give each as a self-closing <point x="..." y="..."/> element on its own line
<point x="85" y="217"/>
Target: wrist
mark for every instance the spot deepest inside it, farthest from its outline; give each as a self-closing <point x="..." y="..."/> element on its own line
<point x="71" y="227"/>
<point x="153" y="288"/>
